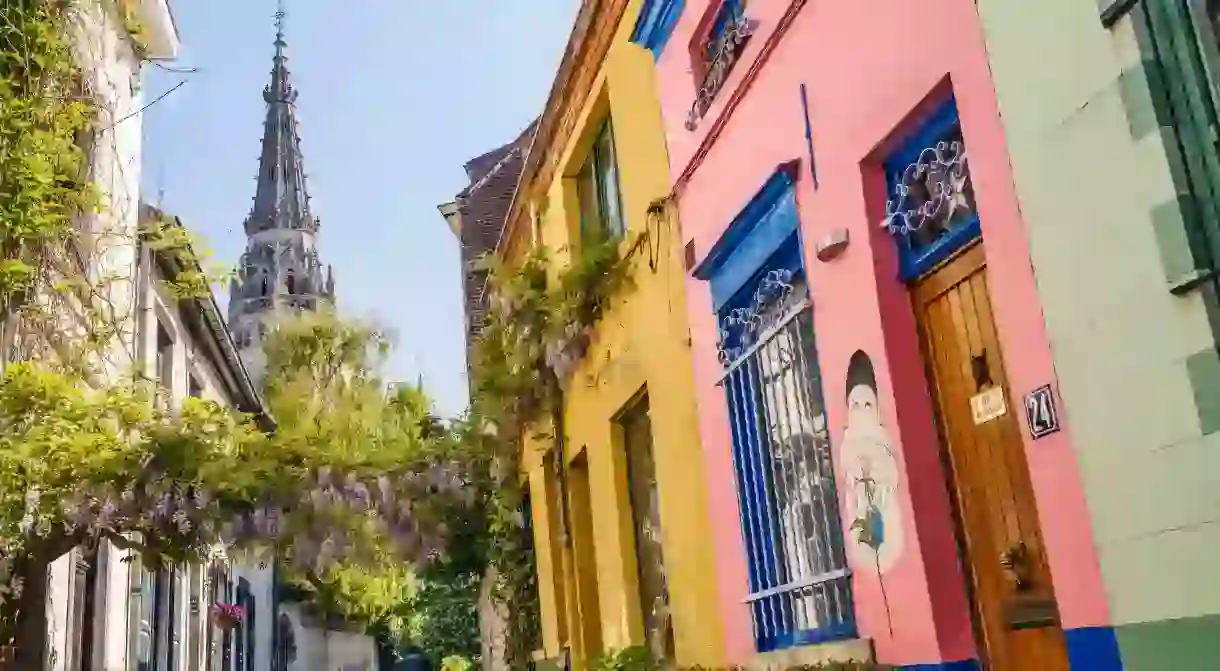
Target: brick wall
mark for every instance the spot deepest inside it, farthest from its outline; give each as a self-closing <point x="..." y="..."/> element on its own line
<point x="482" y="208"/>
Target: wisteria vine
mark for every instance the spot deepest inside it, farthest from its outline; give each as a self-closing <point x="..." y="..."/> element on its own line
<point x="537" y="331"/>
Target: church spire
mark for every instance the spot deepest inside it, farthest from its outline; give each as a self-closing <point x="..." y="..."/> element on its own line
<point x="280" y="270"/>
<point x="281" y="199"/>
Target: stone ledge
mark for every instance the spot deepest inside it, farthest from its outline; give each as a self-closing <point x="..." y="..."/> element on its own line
<point x="853" y="650"/>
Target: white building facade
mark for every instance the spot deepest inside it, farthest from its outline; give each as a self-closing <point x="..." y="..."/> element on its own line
<point x="117" y="616"/>
<point x="120" y="616"/>
<point x="111" y="59"/>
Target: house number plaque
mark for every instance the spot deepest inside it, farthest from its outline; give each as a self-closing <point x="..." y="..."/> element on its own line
<point x="1040" y="413"/>
<point x="988" y="405"/>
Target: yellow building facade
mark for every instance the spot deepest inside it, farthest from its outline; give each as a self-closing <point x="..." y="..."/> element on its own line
<point x="621" y="530"/>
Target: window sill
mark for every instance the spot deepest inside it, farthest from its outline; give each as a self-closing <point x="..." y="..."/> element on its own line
<point x="1190" y="281"/>
<point x="1113" y="10"/>
<point x="856" y="649"/>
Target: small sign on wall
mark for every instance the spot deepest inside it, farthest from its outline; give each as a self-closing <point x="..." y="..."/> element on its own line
<point x="1040" y="413"/>
<point x="988" y="405"/>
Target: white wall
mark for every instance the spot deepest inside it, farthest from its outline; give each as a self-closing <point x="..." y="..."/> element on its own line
<point x="320" y="649"/>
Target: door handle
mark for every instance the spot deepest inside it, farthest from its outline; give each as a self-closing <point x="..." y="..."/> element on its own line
<point x="1015" y="561"/>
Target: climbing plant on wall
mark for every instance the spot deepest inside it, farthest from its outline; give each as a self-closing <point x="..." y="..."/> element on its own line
<point x="44" y="109"/>
<point x="539" y="325"/>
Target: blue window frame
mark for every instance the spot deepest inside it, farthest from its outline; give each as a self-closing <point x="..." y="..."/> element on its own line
<point x="800" y="587"/>
<point x="656" y="23"/>
<point x="930" y="208"/>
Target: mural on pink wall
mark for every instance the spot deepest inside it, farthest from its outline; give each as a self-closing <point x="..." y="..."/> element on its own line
<point x="870" y="474"/>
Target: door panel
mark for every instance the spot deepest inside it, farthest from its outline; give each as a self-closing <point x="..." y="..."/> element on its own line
<point x="1009" y="579"/>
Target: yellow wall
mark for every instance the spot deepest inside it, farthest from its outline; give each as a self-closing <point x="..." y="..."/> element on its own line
<point x="641" y="342"/>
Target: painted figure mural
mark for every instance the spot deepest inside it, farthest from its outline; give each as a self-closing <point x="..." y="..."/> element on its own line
<point x="871" y="473"/>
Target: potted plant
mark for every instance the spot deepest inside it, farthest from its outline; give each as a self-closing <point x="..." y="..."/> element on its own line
<point x="226" y="615"/>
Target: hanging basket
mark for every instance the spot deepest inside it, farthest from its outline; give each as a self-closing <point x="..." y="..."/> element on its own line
<point x="223" y="621"/>
<point x="226" y="616"/>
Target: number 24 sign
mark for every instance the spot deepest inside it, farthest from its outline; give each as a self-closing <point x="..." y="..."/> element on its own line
<point x="1040" y="413"/>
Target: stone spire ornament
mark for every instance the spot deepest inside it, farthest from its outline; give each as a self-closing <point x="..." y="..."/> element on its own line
<point x="280" y="269"/>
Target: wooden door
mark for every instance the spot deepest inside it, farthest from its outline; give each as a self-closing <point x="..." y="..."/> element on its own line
<point x="1017" y="624"/>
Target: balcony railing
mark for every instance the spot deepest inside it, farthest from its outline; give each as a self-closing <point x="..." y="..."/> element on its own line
<point x="732" y="43"/>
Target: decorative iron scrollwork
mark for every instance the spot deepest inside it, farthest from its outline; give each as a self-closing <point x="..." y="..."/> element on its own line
<point x="741" y="327"/>
<point x="736" y="33"/>
<point x="931" y="190"/>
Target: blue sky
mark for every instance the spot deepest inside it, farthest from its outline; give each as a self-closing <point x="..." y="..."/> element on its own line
<point x="395" y="95"/>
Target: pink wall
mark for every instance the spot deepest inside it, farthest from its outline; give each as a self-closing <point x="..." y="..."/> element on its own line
<point x="868" y="67"/>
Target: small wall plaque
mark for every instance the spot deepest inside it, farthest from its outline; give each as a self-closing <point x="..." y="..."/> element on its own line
<point x="988" y="405"/>
<point x="1040" y="413"/>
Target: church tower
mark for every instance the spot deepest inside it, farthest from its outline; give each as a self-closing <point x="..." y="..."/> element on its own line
<point x="280" y="269"/>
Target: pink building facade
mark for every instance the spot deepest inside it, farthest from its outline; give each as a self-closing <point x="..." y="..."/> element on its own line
<point x="886" y="458"/>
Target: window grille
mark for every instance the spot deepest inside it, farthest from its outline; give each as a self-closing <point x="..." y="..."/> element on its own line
<point x="800" y="587"/>
<point x="726" y="18"/>
<point x="716" y="55"/>
<point x="930" y="209"/>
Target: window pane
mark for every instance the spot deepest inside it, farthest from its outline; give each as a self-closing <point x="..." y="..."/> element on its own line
<point x="145" y="602"/>
<point x="586" y="195"/>
<point x="649" y="537"/>
<point x="165" y="358"/>
<point x="608" y="187"/>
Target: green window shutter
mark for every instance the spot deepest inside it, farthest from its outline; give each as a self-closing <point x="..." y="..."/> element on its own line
<point x="1185" y="95"/>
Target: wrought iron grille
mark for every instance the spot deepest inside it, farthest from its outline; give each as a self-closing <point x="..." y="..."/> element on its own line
<point x="800" y="586"/>
<point x="726" y="49"/>
<point x="931" y="210"/>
